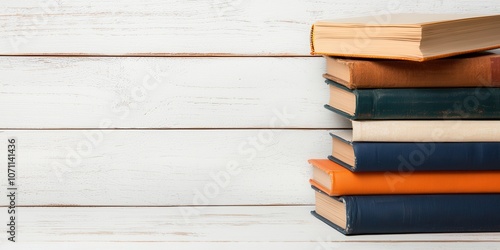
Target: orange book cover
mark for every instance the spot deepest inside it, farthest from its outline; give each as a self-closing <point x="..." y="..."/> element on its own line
<point x="336" y="180"/>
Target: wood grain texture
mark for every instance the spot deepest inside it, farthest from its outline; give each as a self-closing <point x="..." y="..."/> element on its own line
<point x="75" y="92"/>
<point x="245" y="245"/>
<point x="178" y="27"/>
<point x="164" y="167"/>
<point x="272" y="225"/>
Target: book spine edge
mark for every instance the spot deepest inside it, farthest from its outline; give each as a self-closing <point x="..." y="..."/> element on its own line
<point x="473" y="72"/>
<point x="311" y="40"/>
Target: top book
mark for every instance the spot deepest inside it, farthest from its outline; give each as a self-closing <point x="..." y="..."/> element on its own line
<point x="415" y="37"/>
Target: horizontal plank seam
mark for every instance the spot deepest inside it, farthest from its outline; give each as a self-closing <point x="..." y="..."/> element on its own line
<point x="242" y="128"/>
<point x="158" y="206"/>
<point x="368" y="241"/>
<point x="158" y="55"/>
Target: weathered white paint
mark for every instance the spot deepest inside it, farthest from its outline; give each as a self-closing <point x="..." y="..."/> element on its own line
<point x="164" y="167"/>
<point x="179" y="27"/>
<point x="250" y="245"/>
<point x="75" y="92"/>
<point x="272" y="225"/>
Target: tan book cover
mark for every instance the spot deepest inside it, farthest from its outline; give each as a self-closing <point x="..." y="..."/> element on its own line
<point x="406" y="36"/>
<point x="426" y="130"/>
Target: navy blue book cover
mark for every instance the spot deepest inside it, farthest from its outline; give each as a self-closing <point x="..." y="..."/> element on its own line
<point x="440" y="213"/>
<point x="422" y="156"/>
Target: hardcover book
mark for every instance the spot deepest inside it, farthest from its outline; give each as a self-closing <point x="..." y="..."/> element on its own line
<point x="336" y="180"/>
<point x="480" y="69"/>
<point x="426" y="130"/>
<point x="438" y="213"/>
<point x="412" y="156"/>
<point x="414" y="103"/>
<point x="407" y="36"/>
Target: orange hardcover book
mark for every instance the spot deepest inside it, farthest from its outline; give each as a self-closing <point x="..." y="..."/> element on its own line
<point x="336" y="180"/>
<point x="470" y="70"/>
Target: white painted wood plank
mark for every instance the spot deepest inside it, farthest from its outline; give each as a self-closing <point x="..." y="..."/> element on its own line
<point x="157" y="27"/>
<point x="73" y="92"/>
<point x="254" y="224"/>
<point x="164" y="167"/>
<point x="255" y="245"/>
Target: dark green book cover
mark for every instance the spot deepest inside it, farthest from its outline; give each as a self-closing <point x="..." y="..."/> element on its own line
<point x="420" y="103"/>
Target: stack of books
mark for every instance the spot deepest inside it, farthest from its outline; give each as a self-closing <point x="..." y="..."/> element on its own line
<point x="423" y="94"/>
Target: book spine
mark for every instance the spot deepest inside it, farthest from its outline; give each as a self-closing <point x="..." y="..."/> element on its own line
<point x="437" y="182"/>
<point x="345" y="182"/>
<point x="460" y="72"/>
<point x="495" y="71"/>
<point x="311" y="40"/>
<point x="422" y="213"/>
<point x="426" y="156"/>
<point x="443" y="103"/>
<point x="426" y="131"/>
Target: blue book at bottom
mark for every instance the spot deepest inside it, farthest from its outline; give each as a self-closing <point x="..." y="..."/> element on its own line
<point x="390" y="214"/>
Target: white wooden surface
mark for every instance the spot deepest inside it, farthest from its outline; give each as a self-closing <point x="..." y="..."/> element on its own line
<point x="164" y="167"/>
<point x="187" y="117"/>
<point x="179" y="27"/>
<point x="251" y="245"/>
<point x="226" y="227"/>
<point x="223" y="224"/>
<point x="131" y="92"/>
